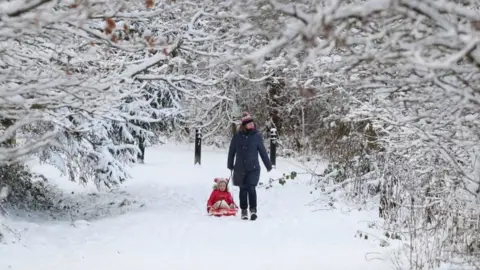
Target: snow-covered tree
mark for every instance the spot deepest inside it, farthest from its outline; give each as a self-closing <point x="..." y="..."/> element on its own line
<point x="408" y="70"/>
<point x="88" y="83"/>
<point x="387" y="89"/>
<point x="83" y="82"/>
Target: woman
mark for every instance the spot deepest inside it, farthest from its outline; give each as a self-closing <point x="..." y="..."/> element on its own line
<point x="246" y="144"/>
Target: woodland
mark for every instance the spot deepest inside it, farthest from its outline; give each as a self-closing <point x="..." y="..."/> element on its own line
<point x="388" y="91"/>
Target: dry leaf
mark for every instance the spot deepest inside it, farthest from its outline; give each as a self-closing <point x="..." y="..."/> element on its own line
<point x="327" y="28"/>
<point x="476" y="25"/>
<point x="149" y="3"/>
<point x="75" y="4"/>
<point x="110" y="23"/>
<point x="150" y="40"/>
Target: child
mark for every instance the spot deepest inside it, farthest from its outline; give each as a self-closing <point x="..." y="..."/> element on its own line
<point x="220" y="198"/>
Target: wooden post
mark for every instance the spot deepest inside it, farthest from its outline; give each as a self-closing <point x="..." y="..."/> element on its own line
<point x="273" y="146"/>
<point x="198" y="147"/>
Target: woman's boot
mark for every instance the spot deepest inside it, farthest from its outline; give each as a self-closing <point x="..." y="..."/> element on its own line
<point x="244" y="214"/>
<point x="253" y="213"/>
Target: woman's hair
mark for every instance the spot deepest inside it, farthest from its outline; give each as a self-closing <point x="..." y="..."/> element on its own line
<point x="242" y="128"/>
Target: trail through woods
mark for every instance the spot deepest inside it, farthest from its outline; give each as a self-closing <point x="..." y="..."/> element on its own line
<point x="166" y="226"/>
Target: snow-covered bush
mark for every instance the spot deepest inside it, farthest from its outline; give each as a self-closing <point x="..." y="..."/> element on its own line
<point x="26" y="190"/>
<point x="21" y="189"/>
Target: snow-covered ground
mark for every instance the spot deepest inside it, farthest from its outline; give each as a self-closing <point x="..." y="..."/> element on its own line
<point x="163" y="225"/>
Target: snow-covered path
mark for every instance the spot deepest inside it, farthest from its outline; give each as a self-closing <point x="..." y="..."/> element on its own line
<point x="172" y="231"/>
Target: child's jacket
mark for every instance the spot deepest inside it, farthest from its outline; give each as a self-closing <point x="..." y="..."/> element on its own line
<point x="218" y="195"/>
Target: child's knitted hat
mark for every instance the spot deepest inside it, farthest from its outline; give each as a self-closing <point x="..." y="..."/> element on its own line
<point x="218" y="180"/>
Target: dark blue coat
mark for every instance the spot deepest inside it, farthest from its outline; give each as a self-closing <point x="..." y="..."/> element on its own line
<point x="246" y="145"/>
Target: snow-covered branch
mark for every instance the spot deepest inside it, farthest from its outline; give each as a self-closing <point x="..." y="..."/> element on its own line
<point x="83" y="82"/>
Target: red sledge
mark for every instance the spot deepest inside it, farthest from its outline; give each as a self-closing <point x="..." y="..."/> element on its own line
<point x="221" y="203"/>
<point x="223" y="212"/>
